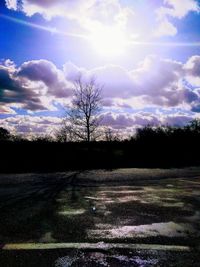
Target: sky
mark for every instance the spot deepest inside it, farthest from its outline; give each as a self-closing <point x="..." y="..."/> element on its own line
<point x="145" y="54"/>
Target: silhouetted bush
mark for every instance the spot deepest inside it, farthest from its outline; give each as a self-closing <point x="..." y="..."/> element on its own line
<point x="162" y="146"/>
<point x="4" y="134"/>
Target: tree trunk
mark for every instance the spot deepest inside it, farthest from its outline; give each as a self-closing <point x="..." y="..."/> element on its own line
<point x="88" y="133"/>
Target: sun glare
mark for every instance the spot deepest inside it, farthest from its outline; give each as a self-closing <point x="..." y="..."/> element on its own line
<point x="108" y="41"/>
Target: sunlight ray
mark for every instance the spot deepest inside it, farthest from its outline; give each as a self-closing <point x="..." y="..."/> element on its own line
<point x="52" y="30"/>
<point x="95" y="40"/>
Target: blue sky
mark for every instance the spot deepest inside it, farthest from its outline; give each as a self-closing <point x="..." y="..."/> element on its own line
<point x="145" y="53"/>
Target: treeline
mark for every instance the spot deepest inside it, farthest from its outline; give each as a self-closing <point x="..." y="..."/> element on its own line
<point x="150" y="147"/>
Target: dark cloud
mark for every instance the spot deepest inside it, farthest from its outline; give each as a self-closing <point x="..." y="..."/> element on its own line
<point x="116" y="121"/>
<point x="46" y="72"/>
<point x="45" y="3"/>
<point x="26" y="124"/>
<point x="124" y="124"/>
<point x="190" y="96"/>
<point x="39" y="70"/>
<point x="196" y="108"/>
<point x="141" y="119"/>
<point x="125" y="120"/>
<point x="177" y="119"/>
<point x="6" y="82"/>
<point x="12" y="90"/>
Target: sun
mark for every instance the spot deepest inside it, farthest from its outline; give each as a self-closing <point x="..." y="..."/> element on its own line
<point x="108" y="41"/>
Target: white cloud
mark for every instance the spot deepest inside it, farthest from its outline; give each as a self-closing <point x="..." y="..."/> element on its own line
<point x="192" y="70"/>
<point x="104" y="11"/>
<point x="155" y="82"/>
<point x="95" y="15"/>
<point x="11" y="4"/>
<point x="173" y="9"/>
<point x="54" y="8"/>
<point x="192" y="66"/>
<point x="177" y="9"/>
<point x="165" y="28"/>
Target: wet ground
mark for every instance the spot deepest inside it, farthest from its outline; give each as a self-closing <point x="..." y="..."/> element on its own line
<point x="159" y="210"/>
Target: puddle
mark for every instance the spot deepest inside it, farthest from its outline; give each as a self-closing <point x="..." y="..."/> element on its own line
<point x="71" y="212"/>
<point x="169" y="229"/>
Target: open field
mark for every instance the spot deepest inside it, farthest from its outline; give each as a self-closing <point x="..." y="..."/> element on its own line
<point x="125" y="217"/>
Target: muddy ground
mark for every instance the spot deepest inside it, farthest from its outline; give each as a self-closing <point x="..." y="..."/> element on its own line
<point x="157" y="208"/>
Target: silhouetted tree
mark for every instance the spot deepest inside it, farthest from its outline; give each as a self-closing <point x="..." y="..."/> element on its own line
<point x="4" y="134"/>
<point x="42" y="138"/>
<point x="145" y="133"/>
<point x="65" y="133"/>
<point x="194" y="125"/>
<point x="83" y="114"/>
<point x="110" y="135"/>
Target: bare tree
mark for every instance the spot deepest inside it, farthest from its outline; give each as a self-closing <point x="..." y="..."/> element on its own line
<point x="110" y="135"/>
<point x="65" y="133"/>
<point x="83" y="114"/>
